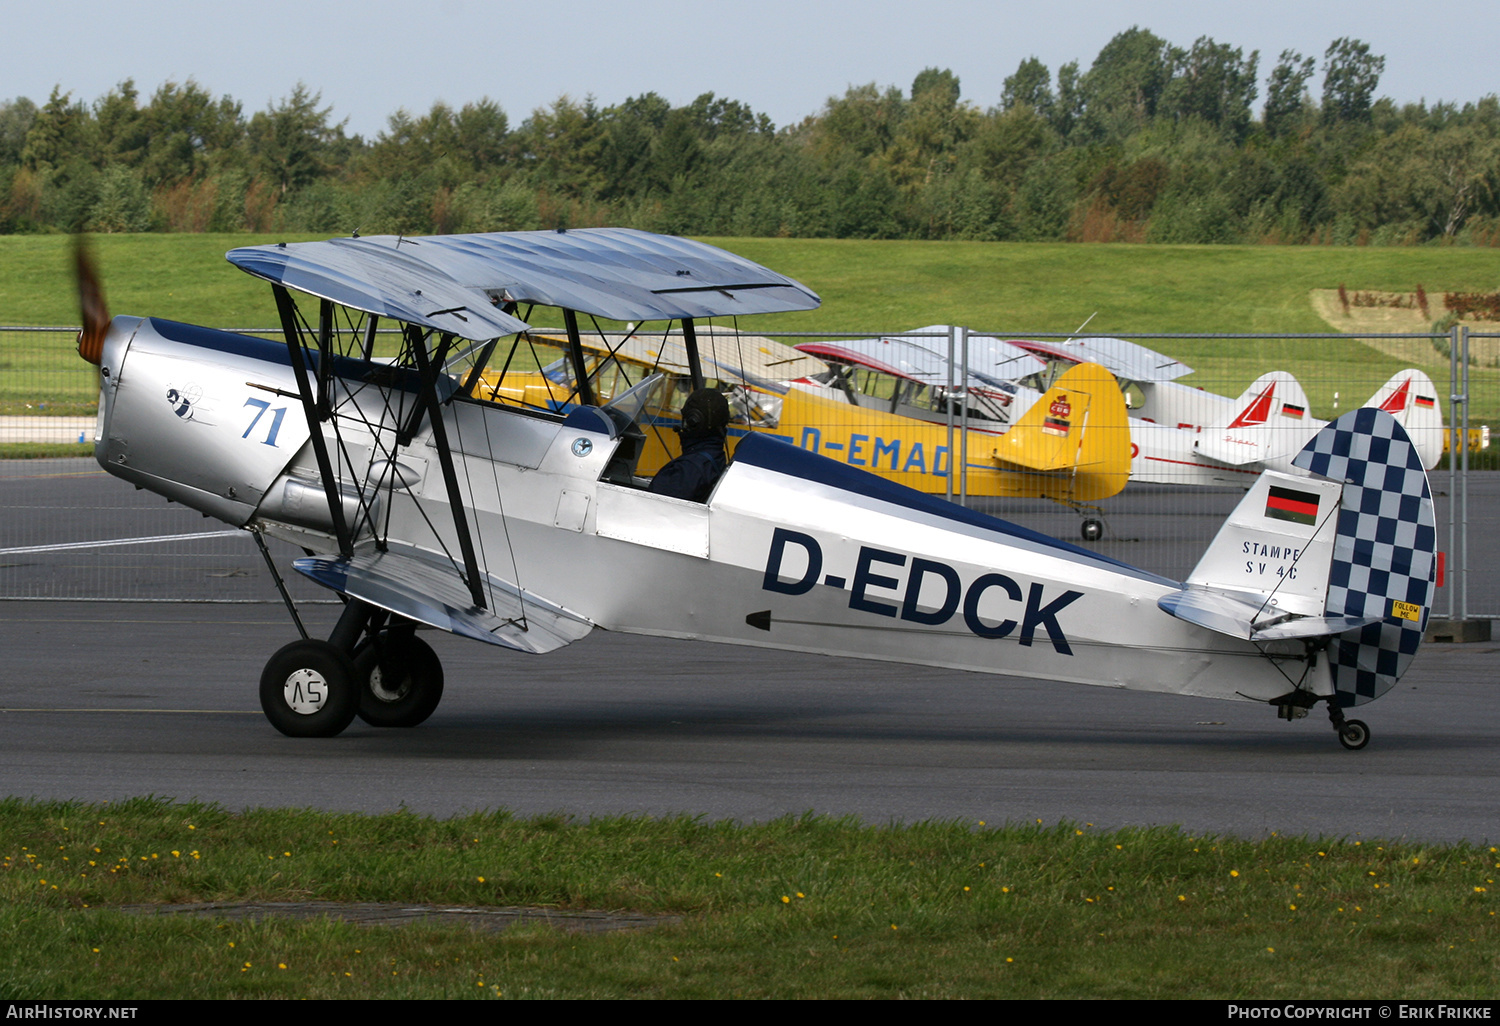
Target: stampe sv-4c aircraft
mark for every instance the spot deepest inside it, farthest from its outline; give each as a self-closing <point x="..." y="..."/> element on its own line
<point x="426" y="505"/>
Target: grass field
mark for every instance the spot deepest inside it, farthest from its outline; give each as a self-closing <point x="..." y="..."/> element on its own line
<point x="1011" y="288"/>
<point x="1017" y="288"/>
<point x="798" y="907"/>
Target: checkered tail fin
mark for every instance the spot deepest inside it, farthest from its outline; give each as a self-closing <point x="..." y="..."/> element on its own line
<point x="1384" y="551"/>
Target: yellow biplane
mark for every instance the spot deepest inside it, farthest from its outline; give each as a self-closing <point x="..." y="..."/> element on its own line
<point x="1071" y="444"/>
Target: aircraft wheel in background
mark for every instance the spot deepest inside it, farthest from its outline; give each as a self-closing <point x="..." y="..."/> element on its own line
<point x="308" y="690"/>
<point x="1093" y="530"/>
<point x="1354" y="735"/>
<point x="404" y="687"/>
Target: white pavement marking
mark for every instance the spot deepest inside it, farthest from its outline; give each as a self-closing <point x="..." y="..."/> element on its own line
<point x="46" y="429"/>
<point x="109" y="543"/>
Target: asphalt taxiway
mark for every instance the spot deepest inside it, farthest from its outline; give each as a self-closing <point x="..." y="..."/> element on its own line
<point x="106" y="701"/>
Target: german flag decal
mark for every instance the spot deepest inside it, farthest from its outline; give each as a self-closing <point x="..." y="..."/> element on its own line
<point x="1058" y="421"/>
<point x="1425" y="401"/>
<point x="1290" y="504"/>
<point x="1295" y="412"/>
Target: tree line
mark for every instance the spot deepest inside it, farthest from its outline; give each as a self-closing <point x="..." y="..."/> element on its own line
<point x="1152" y="142"/>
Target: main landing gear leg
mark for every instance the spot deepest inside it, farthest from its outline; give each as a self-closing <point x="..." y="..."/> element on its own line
<point x="310" y="688"/>
<point x="1353" y="734"/>
<point x="401" y="676"/>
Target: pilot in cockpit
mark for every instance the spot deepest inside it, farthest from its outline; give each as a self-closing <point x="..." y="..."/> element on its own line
<point x="705" y="424"/>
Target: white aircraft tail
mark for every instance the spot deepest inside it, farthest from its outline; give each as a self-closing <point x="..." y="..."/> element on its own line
<point x="1251" y="429"/>
<point x="1412" y="399"/>
<point x="1349" y="554"/>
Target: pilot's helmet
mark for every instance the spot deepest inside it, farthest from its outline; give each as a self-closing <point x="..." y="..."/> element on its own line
<point x="705" y="413"/>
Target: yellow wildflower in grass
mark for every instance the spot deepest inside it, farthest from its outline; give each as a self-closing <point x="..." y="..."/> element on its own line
<point x="785" y="900"/>
<point x="1234" y="872"/>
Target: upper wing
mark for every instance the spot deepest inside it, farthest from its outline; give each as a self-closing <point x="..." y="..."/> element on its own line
<point x="618" y="273"/>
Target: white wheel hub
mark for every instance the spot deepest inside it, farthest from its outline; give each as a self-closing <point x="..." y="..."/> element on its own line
<point x="305" y="691"/>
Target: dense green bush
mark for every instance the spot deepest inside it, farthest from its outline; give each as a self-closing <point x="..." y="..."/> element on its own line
<point x="1151" y="142"/>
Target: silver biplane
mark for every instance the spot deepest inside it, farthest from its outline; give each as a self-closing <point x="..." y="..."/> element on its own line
<point x="424" y="504"/>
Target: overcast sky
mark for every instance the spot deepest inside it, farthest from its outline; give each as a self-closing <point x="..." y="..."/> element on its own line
<point x="782" y="57"/>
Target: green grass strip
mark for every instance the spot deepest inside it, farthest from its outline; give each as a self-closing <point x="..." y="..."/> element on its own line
<point x="804" y="906"/>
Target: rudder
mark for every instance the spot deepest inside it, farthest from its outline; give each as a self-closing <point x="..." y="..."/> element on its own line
<point x="1384" y="557"/>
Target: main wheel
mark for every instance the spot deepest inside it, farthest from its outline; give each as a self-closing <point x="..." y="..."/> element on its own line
<point x="1093" y="530"/>
<point x="401" y="679"/>
<point x="1354" y="735"/>
<point x="308" y="690"/>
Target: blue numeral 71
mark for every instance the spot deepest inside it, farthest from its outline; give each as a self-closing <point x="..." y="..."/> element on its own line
<point x="262" y="406"/>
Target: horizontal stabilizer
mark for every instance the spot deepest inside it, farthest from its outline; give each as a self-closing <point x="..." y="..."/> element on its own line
<point x="412" y="584"/>
<point x="1240" y="617"/>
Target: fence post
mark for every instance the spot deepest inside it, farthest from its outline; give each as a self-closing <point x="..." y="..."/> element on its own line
<point x="1463" y="524"/>
<point x="963" y="441"/>
<point x="1455" y="561"/>
<point x="948" y="402"/>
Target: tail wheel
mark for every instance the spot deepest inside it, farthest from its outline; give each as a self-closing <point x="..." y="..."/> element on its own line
<point x="1354" y="735"/>
<point x="1093" y="530"/>
<point x="308" y="690"/>
<point x="401" y="679"/>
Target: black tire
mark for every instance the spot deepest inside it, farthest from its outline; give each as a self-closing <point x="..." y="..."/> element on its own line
<point x="1093" y="530"/>
<point x="307" y="690"/>
<point x="1354" y="735"/>
<point x="414" y="666"/>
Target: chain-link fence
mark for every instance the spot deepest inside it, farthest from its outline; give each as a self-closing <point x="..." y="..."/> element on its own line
<point x="965" y="422"/>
